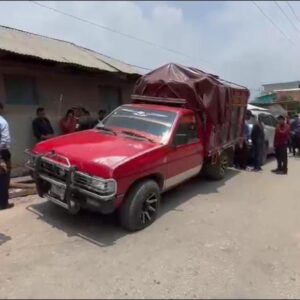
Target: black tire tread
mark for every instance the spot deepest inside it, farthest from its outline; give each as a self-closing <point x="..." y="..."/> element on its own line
<point x="126" y="211"/>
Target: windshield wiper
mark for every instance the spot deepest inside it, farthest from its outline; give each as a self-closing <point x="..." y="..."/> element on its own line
<point x="108" y="130"/>
<point x="133" y="134"/>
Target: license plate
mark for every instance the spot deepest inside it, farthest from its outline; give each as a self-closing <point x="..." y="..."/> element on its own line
<point x="58" y="191"/>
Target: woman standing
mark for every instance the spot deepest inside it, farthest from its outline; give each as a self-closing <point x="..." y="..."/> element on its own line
<point x="68" y="122"/>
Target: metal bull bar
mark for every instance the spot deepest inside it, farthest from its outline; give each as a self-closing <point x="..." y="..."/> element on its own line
<point x="69" y="204"/>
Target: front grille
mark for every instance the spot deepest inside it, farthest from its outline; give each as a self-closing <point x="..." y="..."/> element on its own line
<point x="82" y="180"/>
<point x="53" y="170"/>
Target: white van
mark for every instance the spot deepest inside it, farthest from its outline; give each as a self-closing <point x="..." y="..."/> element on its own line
<point x="270" y="123"/>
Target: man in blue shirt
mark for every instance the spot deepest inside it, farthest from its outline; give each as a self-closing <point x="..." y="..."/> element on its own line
<point x="5" y="162"/>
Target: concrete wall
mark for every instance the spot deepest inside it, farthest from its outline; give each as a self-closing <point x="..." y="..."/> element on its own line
<point x="77" y="88"/>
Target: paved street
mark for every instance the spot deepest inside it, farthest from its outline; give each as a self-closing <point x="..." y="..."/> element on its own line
<point x="236" y="238"/>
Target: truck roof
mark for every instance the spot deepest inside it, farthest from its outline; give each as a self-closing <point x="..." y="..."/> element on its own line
<point x="160" y="107"/>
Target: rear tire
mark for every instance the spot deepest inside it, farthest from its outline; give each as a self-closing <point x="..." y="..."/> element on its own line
<point x="217" y="171"/>
<point x="141" y="206"/>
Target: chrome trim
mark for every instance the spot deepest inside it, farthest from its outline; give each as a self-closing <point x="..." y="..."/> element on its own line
<point x="27" y="163"/>
<point x="54" y="154"/>
<point x="53" y="181"/>
<point x="91" y="194"/>
<point x="73" y="184"/>
<point x="83" y="191"/>
<point x="56" y="201"/>
<point x="91" y="187"/>
<point x="57" y="163"/>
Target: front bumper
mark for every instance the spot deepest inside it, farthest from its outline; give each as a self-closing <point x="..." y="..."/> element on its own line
<point x="71" y="196"/>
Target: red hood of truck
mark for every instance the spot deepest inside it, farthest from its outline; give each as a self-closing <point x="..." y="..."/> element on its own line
<point x="94" y="152"/>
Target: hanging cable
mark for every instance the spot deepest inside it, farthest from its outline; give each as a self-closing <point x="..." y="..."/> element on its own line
<point x="293" y="11"/>
<point x="273" y="23"/>
<point x="287" y="17"/>
<point x="150" y="43"/>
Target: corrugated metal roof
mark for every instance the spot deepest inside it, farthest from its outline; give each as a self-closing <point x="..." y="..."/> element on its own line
<point x="250" y="106"/>
<point x="25" y="43"/>
<point x="266" y="99"/>
<point x="288" y="90"/>
<point x="284" y="83"/>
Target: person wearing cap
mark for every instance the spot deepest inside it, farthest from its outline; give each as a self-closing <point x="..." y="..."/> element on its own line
<point x="281" y="141"/>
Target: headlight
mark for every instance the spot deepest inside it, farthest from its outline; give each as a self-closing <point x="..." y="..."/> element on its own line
<point x="104" y="186"/>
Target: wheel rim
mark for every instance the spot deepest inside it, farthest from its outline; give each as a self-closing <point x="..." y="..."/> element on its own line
<point x="224" y="164"/>
<point x="149" y="209"/>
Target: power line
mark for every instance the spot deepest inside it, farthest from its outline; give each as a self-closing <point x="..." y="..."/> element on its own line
<point x="287" y="17"/>
<point x="273" y="23"/>
<point x="293" y="11"/>
<point x="114" y="30"/>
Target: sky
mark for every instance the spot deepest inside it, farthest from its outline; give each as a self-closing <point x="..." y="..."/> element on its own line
<point x="229" y="38"/>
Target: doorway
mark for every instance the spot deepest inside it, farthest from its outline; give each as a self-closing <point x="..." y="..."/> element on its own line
<point x="110" y="98"/>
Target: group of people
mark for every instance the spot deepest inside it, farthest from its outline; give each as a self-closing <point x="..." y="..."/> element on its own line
<point x="75" y="119"/>
<point x="287" y="136"/>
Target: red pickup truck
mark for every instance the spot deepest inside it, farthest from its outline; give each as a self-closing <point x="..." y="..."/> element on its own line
<point x="181" y="121"/>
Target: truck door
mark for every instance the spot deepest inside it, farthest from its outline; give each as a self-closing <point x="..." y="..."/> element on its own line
<point x="185" y="159"/>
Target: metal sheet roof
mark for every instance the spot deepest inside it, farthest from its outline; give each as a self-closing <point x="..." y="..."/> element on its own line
<point x="25" y="43"/>
<point x="254" y="107"/>
<point x="266" y="99"/>
<point x="288" y="90"/>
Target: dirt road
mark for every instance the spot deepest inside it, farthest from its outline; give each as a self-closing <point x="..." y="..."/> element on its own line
<point x="238" y="238"/>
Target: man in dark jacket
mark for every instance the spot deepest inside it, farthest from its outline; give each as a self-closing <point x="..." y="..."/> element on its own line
<point x="41" y="126"/>
<point x="86" y="121"/>
<point x="258" y="142"/>
<point x="281" y="139"/>
<point x="295" y="134"/>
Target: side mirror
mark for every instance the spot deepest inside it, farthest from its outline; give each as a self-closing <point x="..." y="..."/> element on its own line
<point x="180" y="139"/>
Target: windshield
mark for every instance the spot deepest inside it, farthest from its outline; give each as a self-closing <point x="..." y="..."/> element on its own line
<point x="154" y="122"/>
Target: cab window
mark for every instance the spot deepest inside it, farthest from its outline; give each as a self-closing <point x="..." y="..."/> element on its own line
<point x="187" y="131"/>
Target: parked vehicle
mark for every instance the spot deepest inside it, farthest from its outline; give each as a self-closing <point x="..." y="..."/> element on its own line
<point x="181" y="121"/>
<point x="270" y="123"/>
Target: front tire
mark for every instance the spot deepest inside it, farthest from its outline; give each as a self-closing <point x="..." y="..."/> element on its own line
<point x="141" y="206"/>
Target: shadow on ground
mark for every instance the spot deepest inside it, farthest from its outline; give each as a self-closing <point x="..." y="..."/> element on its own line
<point x="103" y="230"/>
<point x="4" y="238"/>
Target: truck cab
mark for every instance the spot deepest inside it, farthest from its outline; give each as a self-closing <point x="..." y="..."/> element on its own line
<point x="124" y="164"/>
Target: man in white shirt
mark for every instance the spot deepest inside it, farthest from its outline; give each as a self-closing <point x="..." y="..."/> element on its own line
<point x="5" y="161"/>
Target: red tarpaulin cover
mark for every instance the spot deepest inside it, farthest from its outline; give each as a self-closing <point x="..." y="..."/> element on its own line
<point x="202" y="91"/>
